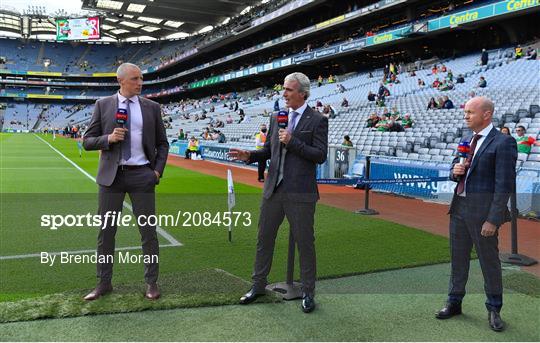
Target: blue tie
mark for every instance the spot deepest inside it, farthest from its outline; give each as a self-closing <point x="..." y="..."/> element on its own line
<point x="292" y="122"/>
<point x="126" y="144"/>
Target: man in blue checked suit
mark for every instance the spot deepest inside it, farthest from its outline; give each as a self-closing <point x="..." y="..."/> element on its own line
<point x="479" y="207"/>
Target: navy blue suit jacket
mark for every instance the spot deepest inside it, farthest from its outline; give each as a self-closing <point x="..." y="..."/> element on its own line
<point x="491" y="179"/>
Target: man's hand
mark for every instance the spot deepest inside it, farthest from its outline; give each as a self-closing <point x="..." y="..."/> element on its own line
<point x="284" y="136"/>
<point x="158" y="175"/>
<point x="239" y="154"/>
<point x="488" y="229"/>
<point x="117" y="135"/>
<point x="459" y="169"/>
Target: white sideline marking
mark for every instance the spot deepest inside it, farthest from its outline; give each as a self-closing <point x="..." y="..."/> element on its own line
<point x="89" y="251"/>
<point x="159" y="230"/>
<point x="36" y="168"/>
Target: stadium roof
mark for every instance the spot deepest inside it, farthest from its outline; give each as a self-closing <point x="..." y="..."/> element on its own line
<point x="161" y="18"/>
<point x="124" y="19"/>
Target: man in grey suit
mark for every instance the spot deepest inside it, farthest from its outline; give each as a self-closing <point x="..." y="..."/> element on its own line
<point x="291" y="188"/>
<point x="479" y="207"/>
<point x="129" y="132"/>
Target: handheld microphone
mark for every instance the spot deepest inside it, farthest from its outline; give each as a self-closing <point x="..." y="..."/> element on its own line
<point x="121" y="116"/>
<point x="283" y="119"/>
<point x="463" y="149"/>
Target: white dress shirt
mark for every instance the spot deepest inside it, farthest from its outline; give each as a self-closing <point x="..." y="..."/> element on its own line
<point x="138" y="156"/>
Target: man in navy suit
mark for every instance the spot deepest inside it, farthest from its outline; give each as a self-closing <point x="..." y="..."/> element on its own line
<point x="479" y="207"/>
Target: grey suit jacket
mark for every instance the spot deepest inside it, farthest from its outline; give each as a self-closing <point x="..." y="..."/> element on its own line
<point x="307" y="147"/>
<point x="103" y="122"/>
<point x="491" y="179"/>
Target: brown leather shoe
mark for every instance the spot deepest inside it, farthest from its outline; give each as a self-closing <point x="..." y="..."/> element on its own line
<point x="152" y="291"/>
<point x="101" y="289"/>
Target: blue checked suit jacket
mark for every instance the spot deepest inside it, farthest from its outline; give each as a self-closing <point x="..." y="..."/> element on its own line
<point x="491" y="179"/>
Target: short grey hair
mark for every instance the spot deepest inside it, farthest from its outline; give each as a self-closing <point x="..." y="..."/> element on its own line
<point x="121" y="71"/>
<point x="303" y="82"/>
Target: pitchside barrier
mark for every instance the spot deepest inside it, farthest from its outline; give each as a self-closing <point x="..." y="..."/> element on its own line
<point x="419" y="179"/>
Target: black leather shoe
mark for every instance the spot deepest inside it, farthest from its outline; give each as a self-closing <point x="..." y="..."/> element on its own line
<point x="250" y="296"/>
<point x="308" y="303"/>
<point x="495" y="321"/>
<point x="450" y="310"/>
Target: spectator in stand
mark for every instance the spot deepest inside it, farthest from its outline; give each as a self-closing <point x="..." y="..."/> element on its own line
<point x="331" y="79"/>
<point x="329" y="112"/>
<point x="436" y="83"/>
<point x="447" y="103"/>
<point x="524" y="142"/>
<point x="345" y="103"/>
<point x="181" y="135"/>
<point x="443" y="68"/>
<point x="460" y="79"/>
<point x="434" y="69"/>
<point x="386" y="71"/>
<point x="484" y="58"/>
<point x="505" y="130"/>
<point x="446" y="85"/>
<point x="407" y="122"/>
<point x="450" y="75"/>
<point x="193" y="148"/>
<point x="421" y="83"/>
<point x="319" y="106"/>
<point x="276" y="105"/>
<point x="371" y="96"/>
<point x="531" y="53"/>
<point x="518" y="52"/>
<point x="383" y="125"/>
<point x="380" y="101"/>
<point x="320" y="80"/>
<point x="242" y="115"/>
<point x="383" y="91"/>
<point x="229" y="119"/>
<point x="395" y="114"/>
<point x="221" y="137"/>
<point x="432" y="105"/>
<point x="206" y="134"/>
<point x="372" y="120"/>
<point x="440" y="102"/>
<point x="347" y="141"/>
<point x="482" y="83"/>
<point x="392" y="68"/>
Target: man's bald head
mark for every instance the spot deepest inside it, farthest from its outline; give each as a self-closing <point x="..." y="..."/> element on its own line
<point x="478" y="113"/>
<point x="130" y="79"/>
